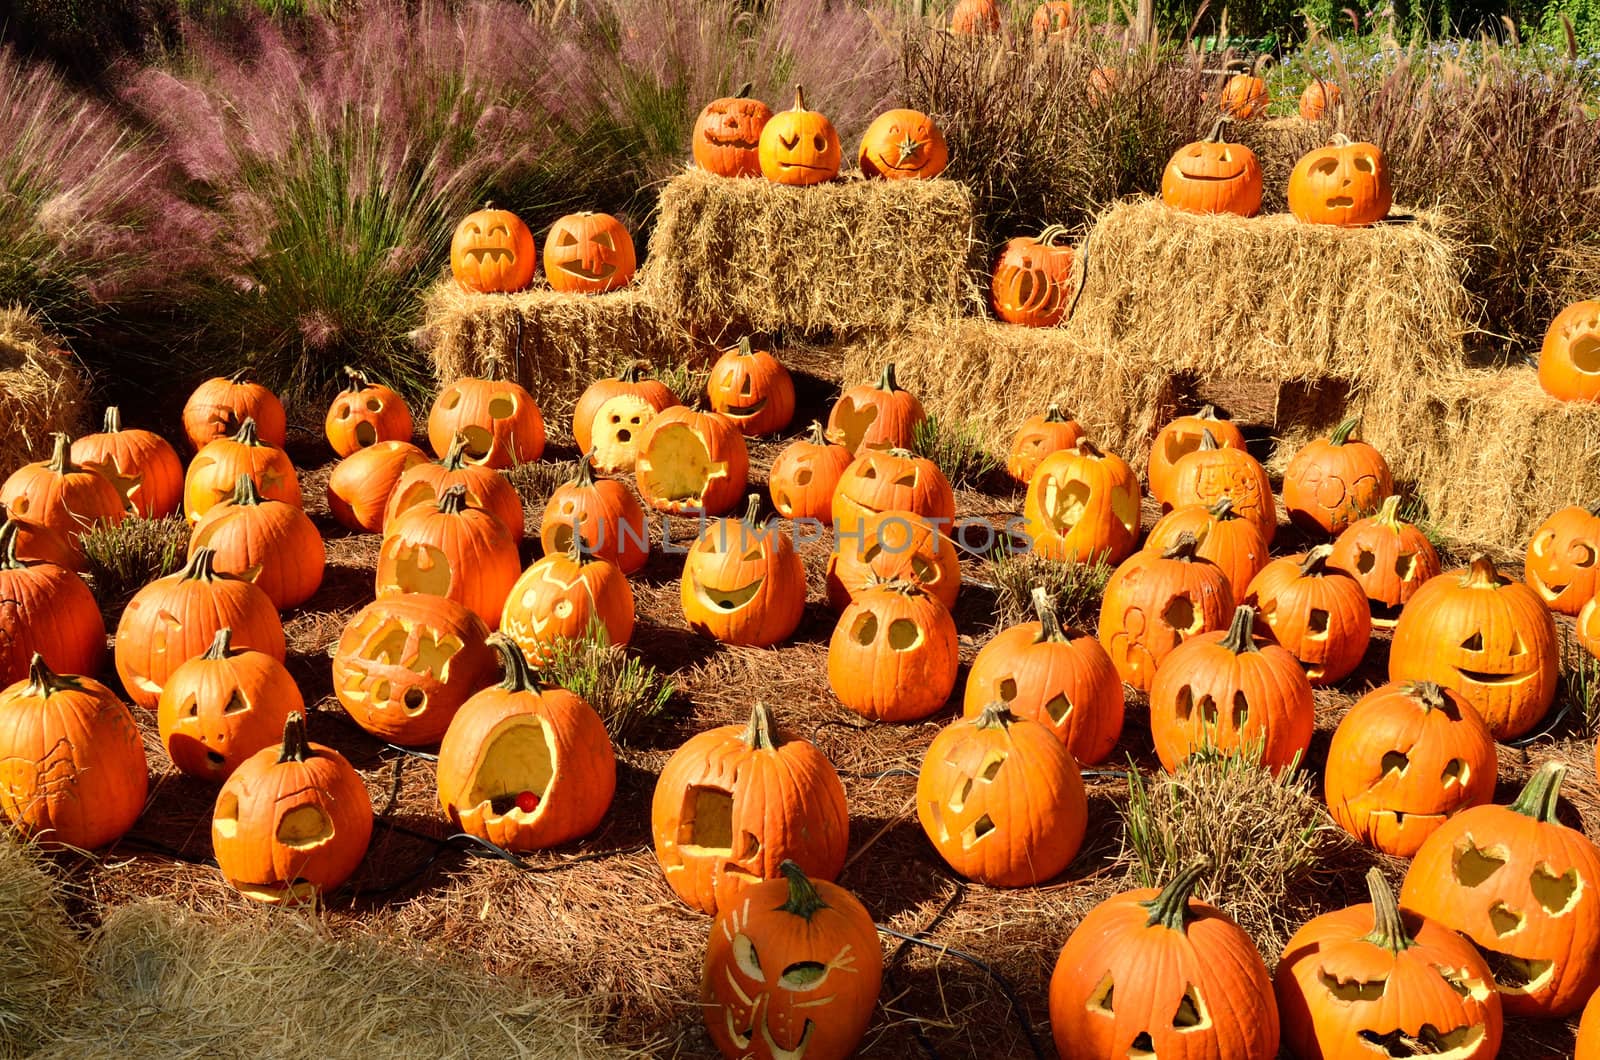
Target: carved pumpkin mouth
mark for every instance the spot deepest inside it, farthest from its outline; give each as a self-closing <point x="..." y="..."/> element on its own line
<point x="726" y="599"/>
<point x="802" y="165"/>
<point x="738" y="142"/>
<point x="604" y="272"/>
<point x="517" y="761"/>
<point x="680" y="468"/>
<point x="777" y="1051"/>
<point x="744" y="411"/>
<point x="1402" y="818"/>
<point x="292" y="893"/>
<point x="1428" y="1041"/>
<point x="1210" y="178"/>
<point x="1340" y="202"/>
<point x="1517" y="975"/>
<point x="486" y="255"/>
<point x="1478" y="677"/>
<point x="1585" y="353"/>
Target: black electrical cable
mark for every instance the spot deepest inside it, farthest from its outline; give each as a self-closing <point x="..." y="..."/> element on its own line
<point x="839" y="723"/>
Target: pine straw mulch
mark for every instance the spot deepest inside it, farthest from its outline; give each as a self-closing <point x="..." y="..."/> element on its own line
<point x="42" y="389"/>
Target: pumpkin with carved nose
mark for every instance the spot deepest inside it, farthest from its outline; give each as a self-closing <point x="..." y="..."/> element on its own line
<point x="727" y="135"/>
<point x="903" y="145"/>
<point x="498" y="421"/>
<point x="589" y="253"/>
<point x="610" y="416"/>
<point x="568" y="595"/>
<point x="1345" y="184"/>
<point x="753" y="389"/>
<point x="1213" y="176"/>
<point x="1569" y="360"/>
<point x="221" y="707"/>
<point x="889" y="546"/>
<point x="893" y="480"/>
<point x="1082" y="506"/>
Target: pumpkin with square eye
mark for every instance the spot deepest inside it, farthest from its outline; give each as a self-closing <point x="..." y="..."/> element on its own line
<point x="1345" y="184"/>
<point x="1332" y="482"/>
<point x="1319" y="615"/>
<point x="1150" y="973"/>
<point x="894" y="654"/>
<point x="500" y="421"/>
<point x="804" y="475"/>
<point x="891" y="480"/>
<point x="1213" y="176"/>
<point x="607" y="515"/>
<point x="1155" y="601"/>
<point x="213" y="474"/>
<point x="221" y="707"/>
<point x="1525" y="889"/>
<point x="1569" y="360"/>
<point x="1178" y="439"/>
<point x="1054" y="675"/>
<point x="691" y="462"/>
<point x="142" y="465"/>
<point x="271" y="544"/>
<point x="1032" y="281"/>
<point x="450" y="550"/>
<point x="422" y="484"/>
<point x="727" y="135"/>
<point x="1041" y="435"/>
<point x="1488" y="637"/>
<point x="218" y="407"/>
<point x="753" y="389"/>
<point x="492" y="251"/>
<point x="889" y="546"/>
<point x="589" y="253"/>
<point x="1083" y="506"/>
<point x="564" y="596"/>
<point x="743" y="582"/>
<point x="366" y="413"/>
<point x="59" y="494"/>
<point x="903" y="145"/>
<point x="1404" y="759"/>
<point x="793" y="970"/>
<point x="610" y="416"/>
<point x="799" y="146"/>
<point x="1212" y="472"/>
<point x="1318" y="98"/>
<point x="1245" y="96"/>
<point x="361" y="484"/>
<point x="876" y="416"/>
<point x="1389" y="558"/>
<point x="1053" y="20"/>
<point x="974" y="18"/>
<point x="292" y="821"/>
<point x="45" y="608"/>
<point x="1232" y="543"/>
<point x="1371" y="980"/>
<point x="1560" y="564"/>
<point x="733" y="803"/>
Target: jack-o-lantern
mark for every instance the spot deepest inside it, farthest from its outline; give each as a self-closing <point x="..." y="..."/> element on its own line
<point x="422" y="484"/>
<point x="1213" y="176"/>
<point x="1001" y="799"/>
<point x="903" y="145"/>
<point x="1319" y="615"/>
<point x="894" y="654"/>
<point x="804" y="475"/>
<point x="1403" y="759"/>
<point x="799" y="146"/>
<point x="1488" y="637"/>
<point x="1158" y="973"/>
<point x="213" y="474"/>
<point x="45" y="608"/>
<point x="1332" y="482"/>
<point x="218" y="408"/>
<point x="1388" y="558"/>
<point x="793" y="969"/>
<point x="406" y="663"/>
<point x="364" y="414"/>
<point x="893" y="480"/>
<point x="500" y="421"/>
<point x="1345" y="184"/>
<point x="1053" y="20"/>
<point x="361" y="484"/>
<point x="220" y="708"/>
<point x="463" y="554"/>
<point x="1157" y="600"/>
<point x="727" y="135"/>
<point x="881" y="416"/>
<point x="1569" y="360"/>
<point x="292" y="821"/>
<point x="1362" y="982"/>
<point x="525" y="766"/>
<point x="1232" y="543"/>
<point x="743" y="582"/>
<point x="1056" y="676"/>
<point x="889" y="546"/>
<point x="1318" y="98"/>
<point x="1560" y="564"/>
<point x="1212" y="472"/>
<point x="1032" y="283"/>
<point x="72" y="767"/>
<point x="270" y="543"/>
<point x="142" y="465"/>
<point x="492" y="251"/>
<point x="974" y="18"/>
<point x="611" y="413"/>
<point x="1083" y="505"/>
<point x="589" y="253"/>
<point x="565" y="596"/>
<point x="753" y="389"/>
<point x="1039" y="437"/>
<point x="1526" y="889"/>
<point x="1244" y="96"/>
<point x="59" y="494"/>
<point x="691" y="462"/>
<point x="607" y="515"/>
<point x="1178" y="439"/>
<point x="734" y="803"/>
<point x="1587" y="631"/>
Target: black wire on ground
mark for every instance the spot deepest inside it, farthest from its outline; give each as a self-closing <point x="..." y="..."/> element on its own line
<point x="839" y="723"/>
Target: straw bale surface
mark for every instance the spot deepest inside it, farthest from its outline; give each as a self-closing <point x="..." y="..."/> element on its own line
<point x="41" y="390"/>
<point x="39" y="952"/>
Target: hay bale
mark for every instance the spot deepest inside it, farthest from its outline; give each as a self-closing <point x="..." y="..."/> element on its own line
<point x="41" y="390"/>
<point x="39" y="952"/>
<point x="840" y="257"/>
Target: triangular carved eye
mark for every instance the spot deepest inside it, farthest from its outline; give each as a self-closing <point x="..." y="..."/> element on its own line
<point x="1517" y="645"/>
<point x="1102" y="997"/>
<point x="1191" y="1014"/>
<point x="1473" y="643"/>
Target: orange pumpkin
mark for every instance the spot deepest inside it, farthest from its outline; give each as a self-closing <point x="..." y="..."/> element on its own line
<point x="1157" y="600"/>
<point x="691" y="462"/>
<point x="1245" y="96"/>
<point x="1212" y="472"/>
<point x="589" y="253"/>
<point x="1588" y="1044"/>
<point x="895" y="480"/>
<point x="727" y="135"/>
<point x="893" y="655"/>
<point x="607" y="515"/>
<point x="218" y="408"/>
<point x="58" y="494"/>
<point x="565" y="596"/>
<point x="804" y="475"/>
<point x="1345" y="184"/>
<point x="47" y="609"/>
<point x="1318" y="98"/>
<point x="40" y="544"/>
<point x="974" y="17"/>
<point x="891" y="545"/>
<point x="1232" y="543"/>
<point x="1332" y="482"/>
<point x="1213" y="176"/>
<point x="753" y="389"/>
<point x="1032" y="283"/>
<point x="223" y="706"/>
<point x="881" y="416"/>
<point x="799" y="146"/>
<point x="421" y="485"/>
<point x="463" y="554"/>
<point x="214" y="473"/>
<point x="142" y="465"/>
<point x="1561" y="558"/>
<point x="361" y="484"/>
<point x="492" y="251"/>
<point x="1082" y="506"/>
<point x="903" y="145"/>
<point x="273" y="544"/>
<point x="1053" y="19"/>
<point x="500" y="420"/>
<point x="1569" y="360"/>
<point x="1388" y="558"/>
<point x="611" y="415"/>
<point x="364" y="414"/>
<point x="1177" y="440"/>
<point x="1319" y="615"/>
<point x="1039" y="437"/>
<point x="743" y="582"/>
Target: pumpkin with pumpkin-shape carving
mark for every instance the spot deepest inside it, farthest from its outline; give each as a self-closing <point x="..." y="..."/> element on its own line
<point x="1082" y="506"/>
<point x="1032" y="282"/>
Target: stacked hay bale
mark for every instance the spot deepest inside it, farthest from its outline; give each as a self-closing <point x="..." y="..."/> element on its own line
<point x="41" y="390"/>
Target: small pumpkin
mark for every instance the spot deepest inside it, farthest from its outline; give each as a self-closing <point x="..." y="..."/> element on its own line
<point x="500" y="421"/>
<point x="421" y="485"/>
<point x="1083" y="506"/>
<point x="890" y="480"/>
<point x="1569" y="360"/>
<point x="223" y="706"/>
<point x="1157" y="600"/>
<point x="364" y="414"/>
<point x="1232" y="543"/>
<point x="894" y="654"/>
<point x="214" y="473"/>
<point x="903" y="145"/>
<point x="743" y="582"/>
<point x="589" y="253"/>
<point x="608" y="516"/>
<point x="492" y="251"/>
<point x="1213" y="176"/>
<point x="59" y="494"/>
<point x="219" y="406"/>
<point x="48" y="609"/>
<point x="1318" y="98"/>
<point x="974" y="17"/>
<point x="691" y="462"/>
<point x="892" y="545"/>
<point x="727" y="135"/>
<point x="753" y="389"/>
<point x="142" y="465"/>
<point x="273" y="544"/>
<point x="1053" y="20"/>
<point x="1560" y="564"/>
<point x="881" y="416"/>
<point x="564" y="596"/>
<point x="361" y="484"/>
<point x="804" y="475"/>
<point x="1212" y="472"/>
<point x="1245" y="96"/>
<point x="1319" y="615"/>
<point x="1178" y="439"/>
<point x="1038" y="437"/>
<point x="1032" y="282"/>
<point x="611" y="414"/>
<point x="799" y="146"/>
<point x="1389" y="558"/>
<point x="461" y="553"/>
<point x="1332" y="482"/>
<point x="1345" y="184"/>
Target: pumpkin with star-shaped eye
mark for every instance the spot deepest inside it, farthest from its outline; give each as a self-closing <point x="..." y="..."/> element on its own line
<point x="611" y="414"/>
<point x="1319" y="615"/>
<point x="876" y="416"/>
<point x="1159" y="973"/>
<point x="1332" y="482"/>
<point x="691" y="462"/>
<point x="142" y="465"/>
<point x="58" y="494"/>
<point x="492" y="251"/>
<point x="1054" y="675"/>
<point x="1244" y="96"/>
<point x="1032" y="282"/>
<point x="975" y="17"/>
<point x="792" y="970"/>
<point x="1526" y="889"/>
<point x="1560" y="564"/>
<point x="364" y="414"/>
<point x="1038" y="437"/>
<point x="565" y="596"/>
<point x="1178" y="439"/>
<point x="589" y="253"/>
<point x="292" y="821"/>
<point x="422" y="484"/>
<point x="72" y="767"/>
<point x="45" y="608"/>
<point x="804" y="475"/>
<point x="221" y="707"/>
<point x="799" y="146"/>
<point x="525" y="765"/>
<point x="213" y="474"/>
<point x="893" y="545"/>
<point x="463" y="554"/>
<point x="1053" y="20"/>
<point x="1157" y="600"/>
<point x="1083" y="506"/>
<point x="218" y="408"/>
<point x="1569" y="360"/>
<point x="1232" y="543"/>
<point x="1213" y="176"/>
<point x="1405" y="758"/>
<point x="1345" y="184"/>
<point x="1488" y="637"/>
<point x="727" y="135"/>
<point x="361" y="484"/>
<point x="1001" y="799"/>
<point x="753" y="389"/>
<point x="1369" y="980"/>
<point x="608" y="517"/>
<point x="743" y="582"/>
<point x="903" y="145"/>
<point x="1212" y="472"/>
<point x="500" y="421"/>
<point x="894" y="480"/>
<point x="894" y="654"/>
<point x="406" y="663"/>
<point x="1318" y="98"/>
<point x="273" y="544"/>
<point x="1389" y="558"/>
<point x="735" y="802"/>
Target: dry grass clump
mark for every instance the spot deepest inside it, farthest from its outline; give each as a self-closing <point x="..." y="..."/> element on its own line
<point x="536" y="480"/>
<point x="41" y="390"/>
<point x="1075" y="588"/>
<point x="625" y="691"/>
<point x="962" y="449"/>
<point x="749" y="255"/>
<point x="130" y="555"/>
<point x="39" y="951"/>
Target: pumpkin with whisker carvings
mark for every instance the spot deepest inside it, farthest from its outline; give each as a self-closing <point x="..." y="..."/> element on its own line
<point x="213" y="474"/>
<point x="566" y="596"/>
<point x="1157" y="600"/>
<point x="1332" y="482"/>
<point x="1032" y="283"/>
<point x="589" y="253"/>
<point x="892" y="545"/>
<point x="799" y="146"/>
<point x="1212" y="472"/>
<point x="743" y="582"/>
<point x="59" y="494"/>
<point x="142" y="465"/>
<point x="500" y="421"/>
<point x="423" y="483"/>
<point x="361" y="484"/>
<point x="804" y="475"/>
<point x="272" y="544"/>
<point x="903" y="145"/>
<point x="1040" y="435"/>
<point x="753" y="389"/>
<point x="1232" y="543"/>
<point x="461" y="553"/>
<point x="1562" y="557"/>
<point x="1389" y="558"/>
<point x="492" y="251"/>
<point x="364" y="414"/>
<point x="1213" y="176"/>
<point x="727" y="135"/>
<point x="218" y="408"/>
<point x="1083" y="505"/>
<point x="1569" y="360"/>
<point x="223" y="706"/>
<point x="1178" y="439"/>
<point x="1319" y="615"/>
<point x="691" y="462"/>
<point x="876" y="416"/>
<point x="1345" y="184"/>
<point x="893" y="480"/>
<point x="607" y="515"/>
<point x="894" y="654"/>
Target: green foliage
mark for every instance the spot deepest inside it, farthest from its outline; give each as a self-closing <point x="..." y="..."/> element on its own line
<point x="960" y="447"/>
<point x="124" y="558"/>
<point x="625" y="691"/>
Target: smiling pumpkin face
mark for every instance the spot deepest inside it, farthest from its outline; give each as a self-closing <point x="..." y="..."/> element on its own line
<point x="1569" y="362"/>
<point x="753" y="389"/>
<point x="588" y="253"/>
<point x="799" y="146"/>
<point x="1561" y="560"/>
<point x="1345" y="184"/>
<point x="1083" y="504"/>
<point x="492" y="251"/>
<point x="1211" y="176"/>
<point x="903" y="145"/>
<point x="727" y="135"/>
<point x="743" y="582"/>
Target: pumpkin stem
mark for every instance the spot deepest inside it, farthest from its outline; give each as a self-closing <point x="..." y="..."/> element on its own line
<point x="1222" y="510"/>
<point x="577" y="548"/>
<point x="744" y="347"/>
<point x="1183" y="548"/>
<point x="1240" y="638"/>
<point x="221" y="644"/>
<point x="113" y="422"/>
<point x="1388" y="514"/>
<point x="994" y="716"/>
<point x="761" y="731"/>
<point x="247" y="432"/>
<point x="1170" y="908"/>
<point x="201" y="566"/>
<point x="1593" y="507"/>
<point x="799" y="98"/>
<point x="1089" y="449"/>
<point x="1388" y="928"/>
<point x="634" y="372"/>
<point x="456" y="458"/>
<point x="245" y="491"/>
<point x="886" y="381"/>
<point x="1215" y="136"/>
<point x="1315" y="563"/>
<point x="358" y="381"/>
<point x="1481" y="574"/>
<point x="745" y="90"/>
<point x="1208" y="441"/>
<point x="44" y="682"/>
<point x="519" y="676"/>
<point x="61" y="455"/>
<point x="1048" y="237"/>
<point x="8" y="545"/>
<point x="1054" y="414"/>
<point x="817" y="436"/>
<point x="752" y="512"/>
<point x="1538" y="800"/>
<point x="584" y="478"/>
<point x="804" y="901"/>
<point x="1208" y="412"/>
<point x="296" y="748"/>
<point x="1050" y="627"/>
<point x="1339" y="139"/>
<point x="453" y="501"/>
<point x="1428" y="693"/>
<point x="1341" y="434"/>
<point x="242" y="375"/>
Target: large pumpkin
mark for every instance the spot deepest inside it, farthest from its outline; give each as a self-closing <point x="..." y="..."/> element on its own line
<point x="273" y="544"/>
<point x="894" y="545"/>
<point x="1083" y="506"/>
<point x="1157" y="600"/>
<point x="1332" y="482"/>
<point x="753" y="389"/>
<point x="611" y="413"/>
<point x="589" y="253"/>
<point x="1234" y="544"/>
<point x="691" y="462"/>
<point x="743" y="582"/>
<point x="804" y="475"/>
<point x="1569" y="360"/>
<point x="1389" y="558"/>
<point x="213" y="474"/>
<point x="894" y="480"/>
<point x="903" y="145"/>
<point x="1032" y="282"/>
<point x="876" y="416"/>
<point x="422" y="484"/>
<point x="1319" y="615"/>
<point x="142" y="465"/>
<point x="364" y="414"/>
<point x="58" y="494"/>
<point x="893" y="655"/>
<point x="450" y="550"/>
<point x="1562" y="557"/>
<point x="47" y="609"/>
<point x="492" y="251"/>
<point x="799" y="146"/>
<point x="1178" y="439"/>
<point x="1040" y="435"/>
<point x="219" y="406"/>
<point x="1212" y="472"/>
<point x="565" y="596"/>
<point x="361" y="484"/>
<point x="221" y="707"/>
<point x="500" y="421"/>
<point x="1345" y="184"/>
<point x="727" y="135"/>
<point x="40" y="544"/>
<point x="608" y="517"/>
<point x="1213" y="176"/>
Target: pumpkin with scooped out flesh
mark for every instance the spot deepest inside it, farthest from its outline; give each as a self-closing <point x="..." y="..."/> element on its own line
<point x="881" y="416"/>
<point x="1389" y="558"/>
<point x="1569" y="360"/>
<point x="142" y="465"/>
<point x="1319" y="615"/>
<point x="607" y="515"/>
<point x="500" y="421"/>
<point x="564" y="596"/>
<point x="1178" y="439"/>
<point x="691" y="462"/>
<point x="894" y="654"/>
<point x="727" y="135"/>
<point x="753" y="389"/>
<point x="804" y="475"/>
<point x="59" y="494"/>
<point x="743" y="582"/>
<point x="221" y="707"/>
<point x="1232" y="543"/>
<point x="893" y="545"/>
<point x="1157" y="600"/>
<point x="365" y="414"/>
<point x="274" y="545"/>
<point x="799" y="146"/>
<point x="450" y="550"/>
<point x="589" y="253"/>
<point x="422" y="484"/>
<point x="1083" y="505"/>
<point x="611" y="414"/>
<point x="1032" y="281"/>
<point x="1561" y="562"/>
<point x="1345" y="184"/>
<point x="213" y="474"/>
<point x="1038" y="437"/>
<point x="893" y="480"/>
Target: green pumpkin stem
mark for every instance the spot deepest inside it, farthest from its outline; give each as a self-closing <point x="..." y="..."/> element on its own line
<point x="1050" y="627"/>
<point x="9" y="531"/>
<point x="886" y="381"/>
<point x="1184" y="548"/>
<point x="1315" y="563"/>
<point x="296" y="748"/>
<point x="221" y="644"/>
<point x="247" y="432"/>
<point x="1054" y="414"/>
<point x="113" y="420"/>
<point x="1170" y="908"/>
<point x="1222" y="510"/>
<point x="817" y="435"/>
<point x="453" y="501"/>
<point x="799" y="98"/>
<point x="1341" y="434"/>
<point x="744" y="347"/>
<point x="761" y="731"/>
<point x="1048" y="237"/>
<point x="357" y="381"/>
<point x="1388" y="513"/>
<point x="245" y="491"/>
<point x="994" y="716"/>
<point x="584" y="478"/>
<point x="44" y="682"/>
<point x="60" y="461"/>
<point x="518" y="674"/>
<point x="1481" y="573"/>
<point x="752" y="512"/>
<point x="201" y="566"/>
<point x="1241" y="631"/>
<point x="804" y="901"/>
<point x="1388" y="927"/>
<point x="456" y="458"/>
<point x="1538" y="800"/>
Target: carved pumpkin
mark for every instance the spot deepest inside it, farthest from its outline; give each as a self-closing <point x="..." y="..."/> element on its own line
<point x="47" y="609"/>
<point x="72" y="768"/>
<point x="463" y="554"/>
<point x="1485" y="636"/>
<point x="218" y="408"/>
<point x="361" y="484"/>
<point x="58" y="494"/>
<point x="1032" y="283"/>
<point x="799" y="146"/>
<point x="1318" y="98"/>
<point x="292" y="821"/>
<point x="1345" y="184"/>
<point x="1213" y="176"/>
<point x="1157" y="600"/>
<point x="1053" y="19"/>
<point x="794" y="969"/>
<point x="881" y="416"/>
<point x="734" y="803"/>
<point x="1083" y="505"/>
<point x="1388" y="558"/>
<point x="421" y="485"/>
<point x="903" y="145"/>
<point x="500" y="420"/>
<point x="492" y="251"/>
<point x="743" y="582"/>
<point x="974" y="17"/>
<point x="1569" y="360"/>
<point x="562" y="597"/>
<point x="221" y="707"/>
<point x="727" y="135"/>
<point x="894" y="480"/>
<point x="1038" y="437"/>
<point x="1244" y="96"/>
<point x="889" y="546"/>
<point x="1560" y="564"/>
<point x="691" y="462"/>
<point x="607" y="515"/>
<point x="1319" y="615"/>
<point x="611" y="413"/>
<point x="364" y="414"/>
<point x="524" y="765"/>
<point x="213" y="474"/>
<point x="1332" y="482"/>
<point x="1232" y="543"/>
<point x="1403" y="759"/>
<point x="589" y="253"/>
<point x="1587" y="632"/>
<point x="273" y="544"/>
<point x="804" y="475"/>
<point x="753" y="389"/>
<point x="1212" y="472"/>
<point x="1522" y="887"/>
<point x="893" y="655"/>
<point x="142" y="465"/>
<point x="1177" y="440"/>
